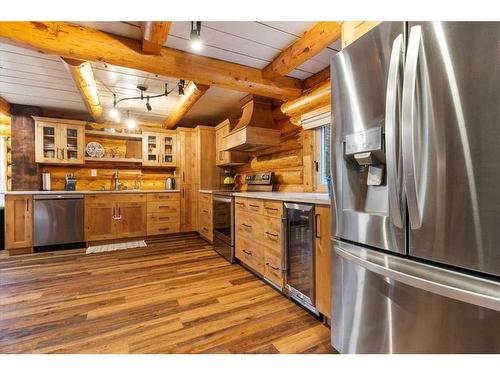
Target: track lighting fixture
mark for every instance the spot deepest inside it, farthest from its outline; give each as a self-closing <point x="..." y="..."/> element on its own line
<point x="194" y="36"/>
<point x="180" y="87"/>
<point x="114" y="114"/>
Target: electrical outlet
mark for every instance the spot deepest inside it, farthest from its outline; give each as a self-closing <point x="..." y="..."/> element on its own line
<point x="93" y="172"/>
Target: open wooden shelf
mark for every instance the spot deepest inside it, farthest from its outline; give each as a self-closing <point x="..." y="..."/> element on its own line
<point x="114" y="160"/>
<point x="100" y="133"/>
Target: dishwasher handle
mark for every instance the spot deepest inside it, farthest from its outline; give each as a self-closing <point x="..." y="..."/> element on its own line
<point x="41" y="197"/>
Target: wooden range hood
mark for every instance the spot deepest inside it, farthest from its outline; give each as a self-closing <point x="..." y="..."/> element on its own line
<point x="255" y="129"/>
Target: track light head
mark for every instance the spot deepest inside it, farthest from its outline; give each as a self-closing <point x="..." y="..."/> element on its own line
<point x="148" y="106"/>
<point x="194" y="36"/>
<point x="180" y="86"/>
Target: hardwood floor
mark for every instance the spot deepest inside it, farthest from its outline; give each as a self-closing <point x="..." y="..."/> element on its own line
<point x="171" y="297"/>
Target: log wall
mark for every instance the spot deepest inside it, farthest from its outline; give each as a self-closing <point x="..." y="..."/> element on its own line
<point x="289" y="161"/>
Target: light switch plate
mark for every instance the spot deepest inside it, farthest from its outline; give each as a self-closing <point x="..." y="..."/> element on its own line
<point x="93" y="172"/>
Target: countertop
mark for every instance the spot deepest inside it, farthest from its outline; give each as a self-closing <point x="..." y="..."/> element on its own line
<point x="315" y="198"/>
<point x="88" y="192"/>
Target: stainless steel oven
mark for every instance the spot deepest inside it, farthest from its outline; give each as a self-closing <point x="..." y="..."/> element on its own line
<point x="223" y="223"/>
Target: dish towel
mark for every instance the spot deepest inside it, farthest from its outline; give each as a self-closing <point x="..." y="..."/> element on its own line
<point x="115" y="246"/>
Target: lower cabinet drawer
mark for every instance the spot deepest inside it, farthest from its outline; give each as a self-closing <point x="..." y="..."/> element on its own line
<point x="250" y="253"/>
<point x="206" y="232"/>
<point x="248" y="226"/>
<point x="154" y="197"/>
<point x="163" y="228"/>
<point x="166" y="217"/>
<point x="164" y="206"/>
<point x="272" y="267"/>
<point x="271" y="232"/>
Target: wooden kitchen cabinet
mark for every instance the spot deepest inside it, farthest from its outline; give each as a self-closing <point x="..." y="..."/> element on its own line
<point x="163" y="213"/>
<point x="205" y="216"/>
<point x="323" y="254"/>
<point x="18" y="221"/>
<point x="59" y="142"/>
<point x="100" y="223"/>
<point x="353" y="30"/>
<point x="159" y="149"/>
<point x="259" y="237"/>
<point x="113" y="216"/>
<point x="197" y="171"/>
<point x="227" y="158"/>
<point x="132" y="219"/>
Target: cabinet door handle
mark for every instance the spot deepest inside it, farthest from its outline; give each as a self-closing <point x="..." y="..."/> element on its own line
<point x="271" y="208"/>
<point x="317" y="234"/>
<point x="27" y="205"/>
<point x="274" y="268"/>
<point x="246" y="252"/>
<point x="240" y="203"/>
<point x="206" y="211"/>
<point x="163" y="206"/>
<point x="246" y="225"/>
<point x="271" y="234"/>
<point x="254" y="205"/>
<point x="183" y="177"/>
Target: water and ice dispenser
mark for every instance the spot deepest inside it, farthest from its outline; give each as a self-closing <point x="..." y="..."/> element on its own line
<point x="366" y="150"/>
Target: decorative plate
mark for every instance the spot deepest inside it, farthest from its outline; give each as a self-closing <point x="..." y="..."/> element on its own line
<point x="95" y="150"/>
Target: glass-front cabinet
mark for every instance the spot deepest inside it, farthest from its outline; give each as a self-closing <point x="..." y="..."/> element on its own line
<point x="59" y="143"/>
<point x="159" y="149"/>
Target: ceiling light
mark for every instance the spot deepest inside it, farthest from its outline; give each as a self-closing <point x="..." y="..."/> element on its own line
<point x="130" y="122"/>
<point x="194" y="36"/>
<point x="180" y="86"/>
<point x="113" y="113"/>
<point x="148" y="106"/>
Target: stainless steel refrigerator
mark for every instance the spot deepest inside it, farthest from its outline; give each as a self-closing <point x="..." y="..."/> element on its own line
<point x="416" y="189"/>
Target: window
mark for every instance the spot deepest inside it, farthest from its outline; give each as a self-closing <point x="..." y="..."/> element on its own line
<point x="318" y="123"/>
<point x="322" y="157"/>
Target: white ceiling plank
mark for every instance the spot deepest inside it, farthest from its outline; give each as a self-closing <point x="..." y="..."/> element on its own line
<point x="42" y="101"/>
<point x="50" y="84"/>
<point x="296" y="28"/>
<point x="127" y="29"/>
<point x="217" y="53"/>
<point x="225" y="41"/>
<point x="300" y="74"/>
<point x="254" y="31"/>
<point x="39" y="91"/>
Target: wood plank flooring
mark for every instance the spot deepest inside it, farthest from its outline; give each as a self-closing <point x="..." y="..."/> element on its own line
<point x="171" y="297"/>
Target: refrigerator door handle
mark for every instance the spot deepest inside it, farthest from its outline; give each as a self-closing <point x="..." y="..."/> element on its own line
<point x="391" y="124"/>
<point x="408" y="125"/>
<point x="438" y="281"/>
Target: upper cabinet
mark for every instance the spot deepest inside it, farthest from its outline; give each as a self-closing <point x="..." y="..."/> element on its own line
<point x="227" y="158"/>
<point x="59" y="142"/>
<point x="353" y="30"/>
<point x="159" y="149"/>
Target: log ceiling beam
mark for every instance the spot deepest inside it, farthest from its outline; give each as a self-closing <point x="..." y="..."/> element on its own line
<point x="193" y="92"/>
<point x="81" y="72"/>
<point x="84" y="43"/>
<point x="4" y="107"/>
<point x="4" y="116"/>
<point x="310" y="44"/>
<point x="316" y="79"/>
<point x="154" y="35"/>
<point x="312" y="99"/>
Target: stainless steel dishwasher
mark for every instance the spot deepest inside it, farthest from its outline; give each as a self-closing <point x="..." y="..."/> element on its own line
<point x="58" y="219"/>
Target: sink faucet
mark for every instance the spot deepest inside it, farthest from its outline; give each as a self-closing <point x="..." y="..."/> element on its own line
<point x="116" y="180"/>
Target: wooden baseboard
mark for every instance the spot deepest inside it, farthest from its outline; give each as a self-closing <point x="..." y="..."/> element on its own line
<point x="21" y="251"/>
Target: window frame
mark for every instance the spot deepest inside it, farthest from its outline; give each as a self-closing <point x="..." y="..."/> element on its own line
<point x="318" y="184"/>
